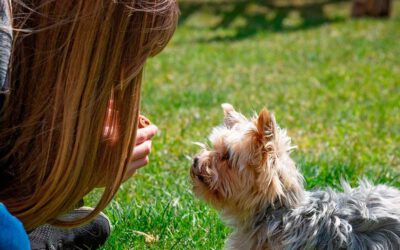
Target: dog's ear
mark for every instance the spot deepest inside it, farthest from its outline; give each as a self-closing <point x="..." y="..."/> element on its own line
<point x="227" y="108"/>
<point x="231" y="117"/>
<point x="265" y="123"/>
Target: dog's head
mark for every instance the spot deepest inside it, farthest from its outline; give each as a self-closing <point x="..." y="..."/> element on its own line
<point x="248" y="164"/>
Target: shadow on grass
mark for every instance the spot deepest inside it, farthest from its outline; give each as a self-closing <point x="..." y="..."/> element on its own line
<point x="260" y="15"/>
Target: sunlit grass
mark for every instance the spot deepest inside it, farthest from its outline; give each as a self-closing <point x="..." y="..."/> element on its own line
<point x="333" y="82"/>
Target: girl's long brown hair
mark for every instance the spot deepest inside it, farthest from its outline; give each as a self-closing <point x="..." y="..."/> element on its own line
<point x="69" y="58"/>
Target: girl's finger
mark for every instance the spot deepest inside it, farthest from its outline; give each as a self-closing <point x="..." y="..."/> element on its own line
<point x="133" y="166"/>
<point x="145" y="134"/>
<point x="141" y="151"/>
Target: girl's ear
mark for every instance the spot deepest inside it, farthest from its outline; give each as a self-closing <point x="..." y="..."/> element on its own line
<point x="231" y="117"/>
<point x="265" y="123"/>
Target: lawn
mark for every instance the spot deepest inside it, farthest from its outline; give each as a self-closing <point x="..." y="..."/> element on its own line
<point x="333" y="82"/>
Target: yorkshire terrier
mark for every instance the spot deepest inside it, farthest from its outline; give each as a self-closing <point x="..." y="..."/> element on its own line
<point x="248" y="175"/>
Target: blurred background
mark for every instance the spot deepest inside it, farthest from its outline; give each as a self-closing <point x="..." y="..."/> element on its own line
<point x="328" y="69"/>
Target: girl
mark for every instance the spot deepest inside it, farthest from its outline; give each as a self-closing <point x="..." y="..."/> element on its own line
<point x="69" y="122"/>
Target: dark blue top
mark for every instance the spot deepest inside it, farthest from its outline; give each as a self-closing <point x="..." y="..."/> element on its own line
<point x="12" y="232"/>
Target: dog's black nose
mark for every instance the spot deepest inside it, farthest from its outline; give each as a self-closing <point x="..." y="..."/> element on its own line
<point x="195" y="162"/>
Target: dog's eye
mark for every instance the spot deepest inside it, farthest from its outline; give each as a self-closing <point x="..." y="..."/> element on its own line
<point x="225" y="156"/>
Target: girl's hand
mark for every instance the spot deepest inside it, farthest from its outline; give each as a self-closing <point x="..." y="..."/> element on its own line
<point x="145" y="132"/>
<point x="140" y="154"/>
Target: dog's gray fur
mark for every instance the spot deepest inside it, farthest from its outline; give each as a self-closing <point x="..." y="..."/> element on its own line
<point x="367" y="217"/>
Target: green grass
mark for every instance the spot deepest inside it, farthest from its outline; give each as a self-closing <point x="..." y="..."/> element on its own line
<point x="333" y="82"/>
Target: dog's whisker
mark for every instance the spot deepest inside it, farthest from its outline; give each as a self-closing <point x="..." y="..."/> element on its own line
<point x="200" y="144"/>
<point x="188" y="157"/>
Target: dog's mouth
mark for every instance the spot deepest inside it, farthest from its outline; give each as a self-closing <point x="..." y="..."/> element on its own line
<point x="201" y="178"/>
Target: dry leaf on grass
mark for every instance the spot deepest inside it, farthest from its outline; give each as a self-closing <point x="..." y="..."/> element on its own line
<point x="148" y="238"/>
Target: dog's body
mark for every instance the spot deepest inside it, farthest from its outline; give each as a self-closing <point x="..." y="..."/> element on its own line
<point x="249" y="176"/>
<point x="364" y="218"/>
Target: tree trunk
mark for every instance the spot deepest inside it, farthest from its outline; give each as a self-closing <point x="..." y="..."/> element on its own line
<point x="372" y="8"/>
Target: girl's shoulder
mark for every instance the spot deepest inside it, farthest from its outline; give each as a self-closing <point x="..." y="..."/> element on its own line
<point x="12" y="232"/>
